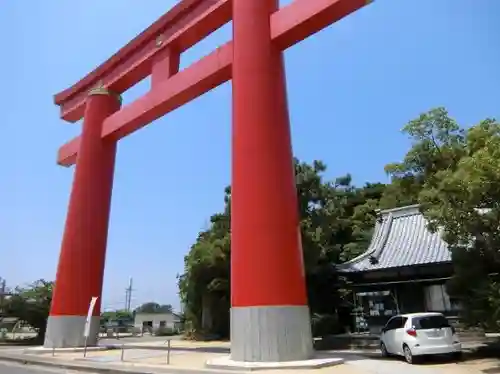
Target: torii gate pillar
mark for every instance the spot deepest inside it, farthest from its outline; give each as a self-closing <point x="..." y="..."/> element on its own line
<point x="83" y="250"/>
<point x="269" y="315"/>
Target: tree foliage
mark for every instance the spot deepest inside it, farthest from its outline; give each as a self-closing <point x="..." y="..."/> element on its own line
<point x="31" y="304"/>
<point x="117" y="315"/>
<point x="437" y="144"/>
<point x="454" y="173"/>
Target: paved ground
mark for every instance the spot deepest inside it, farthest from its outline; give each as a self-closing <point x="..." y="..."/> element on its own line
<point x="150" y="355"/>
<point x="431" y="366"/>
<point x="23" y="369"/>
<point x="395" y="366"/>
<point x="354" y="365"/>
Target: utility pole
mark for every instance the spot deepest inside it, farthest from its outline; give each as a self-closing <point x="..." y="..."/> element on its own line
<point x="2" y="295"/>
<point x="128" y="295"/>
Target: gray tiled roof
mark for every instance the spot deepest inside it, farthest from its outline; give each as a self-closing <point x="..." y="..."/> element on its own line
<point x="400" y="239"/>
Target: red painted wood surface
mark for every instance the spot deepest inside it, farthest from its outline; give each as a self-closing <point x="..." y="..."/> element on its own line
<point x="289" y="25"/>
<point x="165" y="65"/>
<point x="83" y="251"/>
<point x="266" y="261"/>
<point x="183" y="26"/>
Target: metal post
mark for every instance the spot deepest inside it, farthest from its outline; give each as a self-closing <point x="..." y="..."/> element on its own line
<point x="85" y="347"/>
<point x="14" y="329"/>
<point x="396" y="300"/>
<point x="53" y="351"/>
<point x="122" y="356"/>
<point x="168" y="352"/>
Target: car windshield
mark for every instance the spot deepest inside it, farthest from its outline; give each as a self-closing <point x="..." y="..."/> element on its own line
<point x="430" y="322"/>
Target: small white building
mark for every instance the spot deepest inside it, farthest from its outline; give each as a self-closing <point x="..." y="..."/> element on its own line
<point x="155" y="321"/>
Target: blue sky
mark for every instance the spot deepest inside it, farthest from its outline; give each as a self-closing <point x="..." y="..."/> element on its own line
<point x="352" y="87"/>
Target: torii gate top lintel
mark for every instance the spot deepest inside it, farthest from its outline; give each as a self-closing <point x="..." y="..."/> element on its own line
<point x="140" y="49"/>
<point x="184" y="25"/>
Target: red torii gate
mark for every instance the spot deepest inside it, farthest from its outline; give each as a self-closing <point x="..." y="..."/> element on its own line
<point x="269" y="314"/>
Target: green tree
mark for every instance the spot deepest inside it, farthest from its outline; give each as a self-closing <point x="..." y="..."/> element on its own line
<point x="464" y="200"/>
<point x="204" y="285"/>
<point x="32" y="304"/>
<point x="153" y="307"/>
<point x="437" y="143"/>
<point x="117" y="315"/>
<point x="454" y="173"/>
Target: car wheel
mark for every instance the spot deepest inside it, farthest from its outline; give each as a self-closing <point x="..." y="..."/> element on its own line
<point x="383" y="350"/>
<point x="408" y="355"/>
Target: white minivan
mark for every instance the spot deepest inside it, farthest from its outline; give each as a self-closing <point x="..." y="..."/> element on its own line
<point x="418" y="334"/>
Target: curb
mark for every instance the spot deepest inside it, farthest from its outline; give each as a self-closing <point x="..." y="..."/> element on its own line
<point x="232" y="366"/>
<point x="69" y="366"/>
<point x="95" y="367"/>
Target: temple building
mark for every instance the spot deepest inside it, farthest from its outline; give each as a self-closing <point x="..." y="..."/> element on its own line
<point x="404" y="270"/>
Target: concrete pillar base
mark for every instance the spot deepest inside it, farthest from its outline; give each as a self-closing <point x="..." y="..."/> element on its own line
<point x="67" y="332"/>
<point x="314" y="363"/>
<point x="271" y="334"/>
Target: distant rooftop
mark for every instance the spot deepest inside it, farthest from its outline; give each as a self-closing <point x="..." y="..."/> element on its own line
<point x="400" y="239"/>
<point x="175" y="314"/>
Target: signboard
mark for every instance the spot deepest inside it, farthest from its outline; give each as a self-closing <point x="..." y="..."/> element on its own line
<point x="86" y="331"/>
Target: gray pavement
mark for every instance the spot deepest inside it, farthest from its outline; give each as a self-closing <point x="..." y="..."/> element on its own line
<point x="396" y="366"/>
<point x="191" y="361"/>
<point x="354" y="364"/>
<point x="24" y="369"/>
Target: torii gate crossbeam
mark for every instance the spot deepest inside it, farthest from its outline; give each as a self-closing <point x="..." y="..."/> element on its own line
<point x="269" y="315"/>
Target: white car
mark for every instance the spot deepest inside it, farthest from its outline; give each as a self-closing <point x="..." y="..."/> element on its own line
<point x="418" y="334"/>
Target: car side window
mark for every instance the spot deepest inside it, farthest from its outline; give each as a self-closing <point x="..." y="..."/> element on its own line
<point x="387" y="326"/>
<point x="394" y="323"/>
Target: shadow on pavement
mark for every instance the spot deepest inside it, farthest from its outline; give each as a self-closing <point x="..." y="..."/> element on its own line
<point x="492" y="370"/>
<point x="350" y="356"/>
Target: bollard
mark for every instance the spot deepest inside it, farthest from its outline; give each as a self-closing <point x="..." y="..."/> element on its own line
<point x="53" y="351"/>
<point x="122" y="353"/>
<point x="168" y="352"/>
